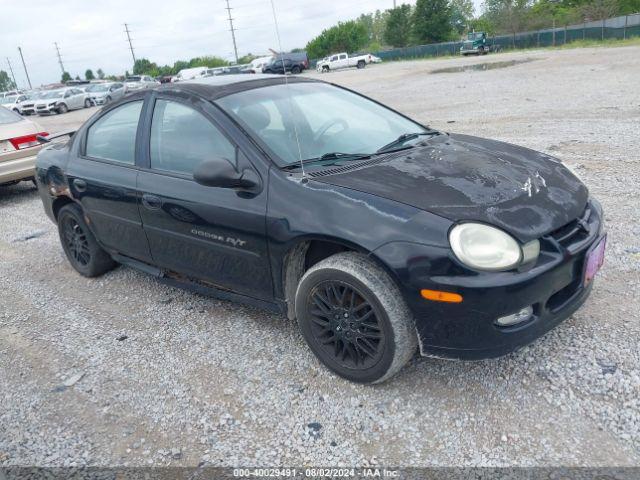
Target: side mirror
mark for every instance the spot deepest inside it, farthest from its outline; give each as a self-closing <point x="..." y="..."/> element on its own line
<point x="219" y="172"/>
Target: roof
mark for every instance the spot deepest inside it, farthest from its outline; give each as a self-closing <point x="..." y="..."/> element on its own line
<point x="219" y="86"/>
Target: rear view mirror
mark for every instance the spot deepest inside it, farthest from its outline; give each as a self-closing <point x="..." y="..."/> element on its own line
<point x="220" y="172"/>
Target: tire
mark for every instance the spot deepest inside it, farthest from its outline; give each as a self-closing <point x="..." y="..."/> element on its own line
<point x="87" y="103"/>
<point x="295" y="70"/>
<point x="17" y="111"/>
<point x="79" y="245"/>
<point x="354" y="319"/>
<point x="325" y="69"/>
<point x="107" y="100"/>
<point x="360" y="64"/>
<point x="62" y="108"/>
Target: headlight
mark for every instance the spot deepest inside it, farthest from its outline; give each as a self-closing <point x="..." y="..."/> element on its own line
<point x="487" y="248"/>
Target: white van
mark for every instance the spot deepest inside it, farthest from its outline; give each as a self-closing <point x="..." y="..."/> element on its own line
<point x="190" y="73"/>
<point x="257" y="63"/>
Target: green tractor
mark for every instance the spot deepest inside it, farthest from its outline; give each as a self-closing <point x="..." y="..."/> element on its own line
<point x="477" y="43"/>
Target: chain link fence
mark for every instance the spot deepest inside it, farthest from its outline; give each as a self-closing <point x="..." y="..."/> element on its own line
<point x="615" y="28"/>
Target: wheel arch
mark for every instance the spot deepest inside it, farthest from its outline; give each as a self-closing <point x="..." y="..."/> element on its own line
<point x="305" y="252"/>
<point x="60" y="202"/>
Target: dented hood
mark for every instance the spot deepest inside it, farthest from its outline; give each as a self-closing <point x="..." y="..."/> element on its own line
<point x="461" y="177"/>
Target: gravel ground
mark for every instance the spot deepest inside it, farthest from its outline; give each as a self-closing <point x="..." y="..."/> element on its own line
<point x="122" y="370"/>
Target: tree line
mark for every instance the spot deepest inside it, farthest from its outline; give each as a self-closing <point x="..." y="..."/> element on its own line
<point x="433" y="21"/>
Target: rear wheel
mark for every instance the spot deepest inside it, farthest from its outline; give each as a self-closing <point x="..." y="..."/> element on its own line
<point x="295" y="70"/>
<point x="62" y="108"/>
<point x="354" y="318"/>
<point x="79" y="245"/>
<point x="360" y="64"/>
<point x="87" y="103"/>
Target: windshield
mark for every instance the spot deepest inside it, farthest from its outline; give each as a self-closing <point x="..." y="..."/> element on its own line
<point x="7" y="116"/>
<point x="53" y="94"/>
<point x="474" y="36"/>
<point x="98" y="88"/>
<point x="133" y="79"/>
<point x="327" y="119"/>
<point x="11" y="99"/>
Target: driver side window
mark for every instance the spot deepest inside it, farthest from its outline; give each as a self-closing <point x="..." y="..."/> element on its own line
<point x="182" y="138"/>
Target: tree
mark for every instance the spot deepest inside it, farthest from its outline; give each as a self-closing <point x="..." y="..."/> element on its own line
<point x="431" y="21"/>
<point x="88" y="75"/>
<point x="65" y="77"/>
<point x="348" y="36"/>
<point x="100" y="74"/>
<point x="397" y="31"/>
<point x="5" y="82"/>
<point x="248" y="58"/>
<point x="508" y="16"/>
<point x="143" y="66"/>
<point x="461" y="15"/>
<point x="599" y="9"/>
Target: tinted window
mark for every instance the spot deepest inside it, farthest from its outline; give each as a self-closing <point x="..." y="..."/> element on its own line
<point x="181" y="138"/>
<point x="113" y="136"/>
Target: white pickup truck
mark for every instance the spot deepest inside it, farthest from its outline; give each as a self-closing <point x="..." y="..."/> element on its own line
<point x="343" y="60"/>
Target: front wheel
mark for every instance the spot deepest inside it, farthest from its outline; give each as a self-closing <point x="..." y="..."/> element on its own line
<point x="107" y="100"/>
<point x="62" y="108"/>
<point x="325" y="69"/>
<point x="84" y="253"/>
<point x="87" y="103"/>
<point x="354" y="319"/>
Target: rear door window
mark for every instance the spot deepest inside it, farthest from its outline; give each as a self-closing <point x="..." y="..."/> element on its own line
<point x="113" y="136"/>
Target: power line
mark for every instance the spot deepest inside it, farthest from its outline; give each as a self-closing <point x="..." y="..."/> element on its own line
<point x="233" y="31"/>
<point x="25" y="68"/>
<point x="12" y="74"/>
<point x="126" y="29"/>
<point x="59" y="57"/>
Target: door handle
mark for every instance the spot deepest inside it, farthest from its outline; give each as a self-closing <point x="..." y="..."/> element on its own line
<point x="80" y="185"/>
<point x="151" y="202"/>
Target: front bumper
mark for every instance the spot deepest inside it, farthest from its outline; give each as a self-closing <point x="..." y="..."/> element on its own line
<point x="45" y="109"/>
<point x="467" y="330"/>
<point x="98" y="100"/>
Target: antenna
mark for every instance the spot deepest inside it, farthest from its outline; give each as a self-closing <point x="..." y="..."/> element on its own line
<point x="286" y="82"/>
<point x="59" y="57"/>
<point x="126" y="29"/>
<point x="25" y="68"/>
<point x="15" y="84"/>
<point x="233" y="32"/>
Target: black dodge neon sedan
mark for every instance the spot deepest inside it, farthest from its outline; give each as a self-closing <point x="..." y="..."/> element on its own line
<point x="378" y="234"/>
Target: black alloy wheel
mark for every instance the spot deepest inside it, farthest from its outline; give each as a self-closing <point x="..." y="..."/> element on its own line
<point x="76" y="243"/>
<point x="346" y="325"/>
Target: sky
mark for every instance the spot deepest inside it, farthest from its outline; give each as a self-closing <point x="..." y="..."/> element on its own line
<point x="91" y="34"/>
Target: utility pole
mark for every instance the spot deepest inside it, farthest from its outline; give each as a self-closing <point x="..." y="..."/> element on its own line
<point x="126" y="29"/>
<point x="25" y="68"/>
<point x="233" y="31"/>
<point x="12" y="74"/>
<point x="59" y="57"/>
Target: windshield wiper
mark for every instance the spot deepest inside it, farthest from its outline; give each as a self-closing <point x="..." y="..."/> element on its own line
<point x="405" y="137"/>
<point x="329" y="156"/>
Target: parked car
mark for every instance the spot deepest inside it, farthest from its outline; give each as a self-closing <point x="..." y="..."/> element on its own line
<point x="378" y="234"/>
<point x="375" y="59"/>
<point x="27" y="106"/>
<point x="191" y="73"/>
<point x="257" y="63"/>
<point x="103" y="93"/>
<point x="10" y="93"/>
<point x="13" y="102"/>
<point x="140" y="82"/>
<point x="62" y="100"/>
<point x="343" y="60"/>
<point x="282" y="65"/>
<point x="18" y="147"/>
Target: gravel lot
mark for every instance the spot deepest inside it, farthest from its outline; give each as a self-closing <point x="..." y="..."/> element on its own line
<point x="122" y="370"/>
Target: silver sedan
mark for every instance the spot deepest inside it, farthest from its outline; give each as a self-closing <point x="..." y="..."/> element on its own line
<point x="103" y="93"/>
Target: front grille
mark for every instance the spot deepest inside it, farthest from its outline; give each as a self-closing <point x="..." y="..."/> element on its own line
<point x="576" y="231"/>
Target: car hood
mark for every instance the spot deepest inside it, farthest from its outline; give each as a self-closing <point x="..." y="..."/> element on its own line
<point x="461" y="177"/>
<point x="97" y="94"/>
<point x="47" y="101"/>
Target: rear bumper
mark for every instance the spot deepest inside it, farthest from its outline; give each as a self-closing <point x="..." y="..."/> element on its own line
<point x="18" y="165"/>
<point x="553" y="288"/>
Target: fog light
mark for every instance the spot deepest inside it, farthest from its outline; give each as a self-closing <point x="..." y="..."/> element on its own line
<point x="515" y="318"/>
